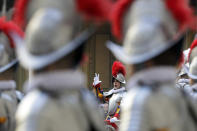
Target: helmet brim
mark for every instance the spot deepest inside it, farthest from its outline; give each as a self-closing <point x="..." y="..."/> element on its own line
<point x="34" y="62"/>
<point x="123" y="82"/>
<point x="120" y="54"/>
<point x="8" y="66"/>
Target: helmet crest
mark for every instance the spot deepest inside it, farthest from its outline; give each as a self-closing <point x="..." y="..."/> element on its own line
<point x="117" y="68"/>
<point x="94" y="9"/>
<point x="20" y="7"/>
<point x="179" y="9"/>
<point x="117" y="14"/>
<point x="9" y="26"/>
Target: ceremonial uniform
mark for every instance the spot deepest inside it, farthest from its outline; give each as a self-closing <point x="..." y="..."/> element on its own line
<point x="9" y="96"/>
<point x="151" y="49"/>
<point x="115" y="95"/>
<point x="57" y="102"/>
<point x="154" y="103"/>
<point x="115" y="99"/>
<point x="8" y="105"/>
<point x="57" y="97"/>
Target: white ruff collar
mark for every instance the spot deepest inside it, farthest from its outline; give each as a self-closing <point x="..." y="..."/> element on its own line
<point x="114" y="91"/>
<point x="57" y="81"/>
<point x="122" y="89"/>
<point x="7" y="84"/>
<point x="162" y="74"/>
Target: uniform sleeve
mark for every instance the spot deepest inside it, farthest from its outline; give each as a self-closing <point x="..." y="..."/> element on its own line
<point x="134" y="116"/>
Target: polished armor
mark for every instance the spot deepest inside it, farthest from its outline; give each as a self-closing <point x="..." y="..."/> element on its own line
<point x="150" y="29"/>
<point x="68" y="106"/>
<point x="138" y="28"/>
<point x="140" y="110"/>
<point x="114" y="108"/>
<point x="55" y="38"/>
<point x="115" y="100"/>
<point x="8" y="102"/>
<point x="57" y="99"/>
<point x="120" y="77"/>
<point x="9" y="96"/>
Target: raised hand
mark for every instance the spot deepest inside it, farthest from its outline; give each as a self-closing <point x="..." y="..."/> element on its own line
<point x="96" y="80"/>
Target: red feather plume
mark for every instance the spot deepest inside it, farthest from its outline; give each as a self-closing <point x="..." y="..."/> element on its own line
<point x="20" y="7"/>
<point x="9" y="26"/>
<point x="193" y="45"/>
<point x="182" y="13"/>
<point x="118" y="67"/>
<point x="179" y="9"/>
<point x="117" y="14"/>
<point x="94" y="9"/>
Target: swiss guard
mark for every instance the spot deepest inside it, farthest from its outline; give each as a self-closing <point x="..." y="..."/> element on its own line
<point x="152" y="33"/>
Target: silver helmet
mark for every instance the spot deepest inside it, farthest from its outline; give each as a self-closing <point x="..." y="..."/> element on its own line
<point x="7" y="54"/>
<point x="119" y="72"/>
<point x="25" y="9"/>
<point x="120" y="78"/>
<point x="51" y="34"/>
<point x="148" y="29"/>
<point x="96" y="10"/>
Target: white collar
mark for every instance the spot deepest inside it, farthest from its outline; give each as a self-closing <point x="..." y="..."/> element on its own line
<point x="122" y="89"/>
<point x="7" y="84"/>
<point x="114" y="91"/>
<point x="57" y="81"/>
<point x="162" y="74"/>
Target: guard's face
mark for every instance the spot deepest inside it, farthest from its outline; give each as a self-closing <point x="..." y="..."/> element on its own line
<point x="116" y="84"/>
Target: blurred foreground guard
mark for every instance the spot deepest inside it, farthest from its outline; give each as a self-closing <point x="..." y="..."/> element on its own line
<point x="152" y="32"/>
<point x="57" y="99"/>
<point x="9" y="96"/>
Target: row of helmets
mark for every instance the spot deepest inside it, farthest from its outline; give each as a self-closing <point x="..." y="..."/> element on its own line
<point x="51" y="32"/>
<point x="52" y="27"/>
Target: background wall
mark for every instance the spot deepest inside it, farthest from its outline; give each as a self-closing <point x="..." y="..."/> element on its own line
<point x="100" y="59"/>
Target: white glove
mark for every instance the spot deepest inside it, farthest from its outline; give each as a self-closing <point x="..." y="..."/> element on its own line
<point x="96" y="80"/>
<point x="113" y="120"/>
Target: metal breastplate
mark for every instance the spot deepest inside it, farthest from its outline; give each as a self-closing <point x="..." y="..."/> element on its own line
<point x="114" y="102"/>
